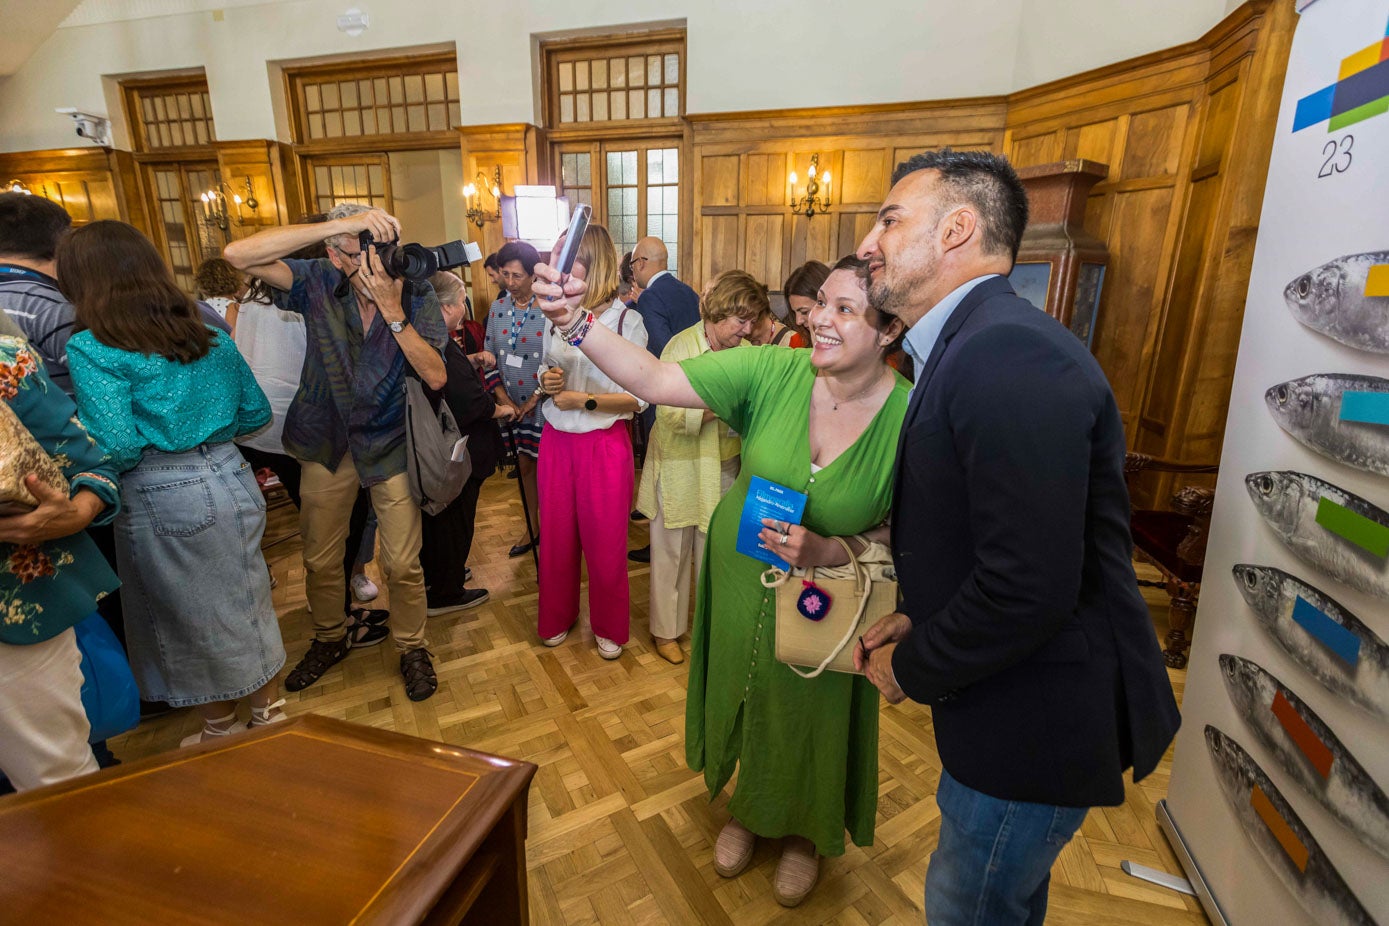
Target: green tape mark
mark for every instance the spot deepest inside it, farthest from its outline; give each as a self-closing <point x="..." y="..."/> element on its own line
<point x="1358" y="529"/>
<point x="1359" y="114"/>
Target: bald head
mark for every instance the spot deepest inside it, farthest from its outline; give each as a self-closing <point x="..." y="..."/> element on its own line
<point x="649" y="258"/>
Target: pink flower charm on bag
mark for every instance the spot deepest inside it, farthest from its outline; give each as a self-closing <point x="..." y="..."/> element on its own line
<point x="814" y="602"/>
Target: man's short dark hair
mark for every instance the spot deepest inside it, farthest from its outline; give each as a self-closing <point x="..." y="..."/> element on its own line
<point x="988" y="183"/>
<point x="491" y="262"/>
<point x="31" y="226"/>
<point x="518" y="250"/>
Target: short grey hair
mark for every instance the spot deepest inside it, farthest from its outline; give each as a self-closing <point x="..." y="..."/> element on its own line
<point x="342" y="211"/>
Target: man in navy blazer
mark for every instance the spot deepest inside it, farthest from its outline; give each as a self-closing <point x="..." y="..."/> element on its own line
<point x="667" y="306"/>
<point x="1021" y="623"/>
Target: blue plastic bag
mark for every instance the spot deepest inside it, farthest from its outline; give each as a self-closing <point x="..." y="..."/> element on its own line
<point x="109" y="694"/>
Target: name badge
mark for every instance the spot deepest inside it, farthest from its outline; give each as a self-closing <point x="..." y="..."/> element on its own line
<point x="514" y="360"/>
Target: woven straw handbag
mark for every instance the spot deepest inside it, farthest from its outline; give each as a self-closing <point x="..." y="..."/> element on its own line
<point x="20" y="455"/>
<point x="821" y="610"/>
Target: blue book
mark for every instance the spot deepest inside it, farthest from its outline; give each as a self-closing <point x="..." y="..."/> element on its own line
<point x="767" y="500"/>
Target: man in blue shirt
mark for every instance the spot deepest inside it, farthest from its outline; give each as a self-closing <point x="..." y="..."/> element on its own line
<point x="346" y="424"/>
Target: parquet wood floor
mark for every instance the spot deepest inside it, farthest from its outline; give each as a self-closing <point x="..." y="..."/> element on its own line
<point x="620" y="830"/>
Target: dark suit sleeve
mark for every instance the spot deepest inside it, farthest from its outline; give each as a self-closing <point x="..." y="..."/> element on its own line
<point x="655" y="314"/>
<point x="1021" y="414"/>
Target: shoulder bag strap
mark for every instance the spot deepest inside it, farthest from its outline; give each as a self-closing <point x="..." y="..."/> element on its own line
<point x="865" y="591"/>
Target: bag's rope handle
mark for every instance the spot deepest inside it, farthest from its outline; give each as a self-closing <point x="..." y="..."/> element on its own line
<point x="864" y="587"/>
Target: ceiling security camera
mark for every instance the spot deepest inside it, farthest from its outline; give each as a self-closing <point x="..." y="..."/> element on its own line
<point x="87" y="125"/>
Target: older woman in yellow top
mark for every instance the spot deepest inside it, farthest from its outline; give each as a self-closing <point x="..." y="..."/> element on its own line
<point x="693" y="459"/>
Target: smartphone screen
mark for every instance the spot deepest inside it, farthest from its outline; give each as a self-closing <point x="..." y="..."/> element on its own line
<point x="578" y="224"/>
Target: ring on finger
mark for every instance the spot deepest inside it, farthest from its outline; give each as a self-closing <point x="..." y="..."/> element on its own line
<point x="785" y="537"/>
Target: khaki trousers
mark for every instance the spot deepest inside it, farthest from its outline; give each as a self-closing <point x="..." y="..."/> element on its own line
<point x="324" y="514"/>
<point x="677" y="553"/>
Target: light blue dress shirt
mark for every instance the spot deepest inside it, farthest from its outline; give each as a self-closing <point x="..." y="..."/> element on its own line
<point x="922" y="337"/>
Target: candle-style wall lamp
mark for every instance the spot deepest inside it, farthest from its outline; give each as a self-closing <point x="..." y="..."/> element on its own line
<point x="17" y="186"/>
<point x="213" y="213"/>
<point x="817" y="191"/>
<point x="473" y="193"/>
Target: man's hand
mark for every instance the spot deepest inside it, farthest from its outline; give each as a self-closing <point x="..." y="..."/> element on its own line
<point x="526" y="409"/>
<point x="873" y="654"/>
<point x="560" y="303"/>
<point x="483" y="360"/>
<point x="55" y="516"/>
<point x="383" y="226"/>
<point x="381" y="288"/>
<point x="505" y="413"/>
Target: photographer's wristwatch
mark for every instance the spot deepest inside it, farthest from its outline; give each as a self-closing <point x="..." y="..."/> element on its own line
<point x="397" y="327"/>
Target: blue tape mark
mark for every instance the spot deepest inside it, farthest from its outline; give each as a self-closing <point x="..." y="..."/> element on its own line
<point x="1365" y="407"/>
<point x="1327" y="632"/>
<point x="1314" y="108"/>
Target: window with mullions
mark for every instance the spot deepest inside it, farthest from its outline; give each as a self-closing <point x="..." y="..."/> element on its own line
<point x="618" y="79"/>
<point x="392" y="97"/>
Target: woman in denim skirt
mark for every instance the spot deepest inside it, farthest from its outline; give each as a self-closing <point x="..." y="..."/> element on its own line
<point x="164" y="395"/>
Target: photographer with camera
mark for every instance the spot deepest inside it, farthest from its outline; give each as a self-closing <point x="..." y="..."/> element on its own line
<point x="365" y="322"/>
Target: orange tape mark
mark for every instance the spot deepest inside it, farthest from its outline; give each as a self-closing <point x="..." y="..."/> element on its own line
<point x="1279" y="827"/>
<point x="1304" y="736"/>
<point x="1377" y="283"/>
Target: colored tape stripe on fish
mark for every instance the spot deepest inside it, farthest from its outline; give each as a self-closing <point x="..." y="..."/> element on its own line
<point x="1311" y="745"/>
<point x="1307" y="750"/>
<point x="1365" y="407"/>
<point x="1279" y="828"/>
<point x="1340" y="641"/>
<point x="1348" y="525"/>
<point x="1377" y="281"/>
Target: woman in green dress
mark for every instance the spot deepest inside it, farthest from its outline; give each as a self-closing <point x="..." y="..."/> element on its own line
<point x="822" y="421"/>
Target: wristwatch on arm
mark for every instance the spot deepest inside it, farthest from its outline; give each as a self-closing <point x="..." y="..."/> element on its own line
<point x="397" y="327"/>
<point x="591" y="403"/>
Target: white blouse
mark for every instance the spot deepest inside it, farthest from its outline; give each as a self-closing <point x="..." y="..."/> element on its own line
<point x="581" y="375"/>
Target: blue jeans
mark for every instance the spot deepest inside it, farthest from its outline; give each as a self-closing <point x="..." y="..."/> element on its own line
<point x="993" y="864"/>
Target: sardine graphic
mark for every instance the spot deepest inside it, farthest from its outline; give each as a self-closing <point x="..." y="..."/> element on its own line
<point x="1310" y="410"/>
<point x="1308" y="750"/>
<point x="1359" y="672"/>
<point x="1331" y="299"/>
<point x="1316" y="884"/>
<point x="1289" y="502"/>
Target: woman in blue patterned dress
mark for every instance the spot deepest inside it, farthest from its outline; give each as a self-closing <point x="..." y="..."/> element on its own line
<point x="164" y="395"/>
<point x="515" y="336"/>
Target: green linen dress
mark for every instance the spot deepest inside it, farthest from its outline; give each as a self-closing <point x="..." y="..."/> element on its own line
<point x="806" y="750"/>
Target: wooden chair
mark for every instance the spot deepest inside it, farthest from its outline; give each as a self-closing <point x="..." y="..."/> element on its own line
<point x="1175" y="542"/>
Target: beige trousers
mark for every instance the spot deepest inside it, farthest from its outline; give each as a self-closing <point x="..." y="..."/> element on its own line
<point x="43" y="728"/>
<point x="676" y="556"/>
<point x="324" y="515"/>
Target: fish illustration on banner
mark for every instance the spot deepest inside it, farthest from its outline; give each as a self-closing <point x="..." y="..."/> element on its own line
<point x="1346" y="299"/>
<point x="1308" y="751"/>
<point x="1339" y="533"/>
<point x="1281" y="837"/>
<point x="1343" y="416"/>
<point x="1320" y="635"/>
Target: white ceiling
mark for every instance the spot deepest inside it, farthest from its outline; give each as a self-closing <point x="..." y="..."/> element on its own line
<point x="27" y="24"/>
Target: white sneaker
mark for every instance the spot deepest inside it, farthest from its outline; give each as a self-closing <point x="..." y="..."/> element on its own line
<point x="556" y="640"/>
<point x="363" y="589"/>
<point x="607" y="648"/>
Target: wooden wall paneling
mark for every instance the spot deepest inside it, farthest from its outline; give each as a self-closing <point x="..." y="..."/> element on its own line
<point x="763" y="248"/>
<point x="522" y="152"/>
<point x="1101" y="141"/>
<point x="1037" y="149"/>
<point x="719" y="249"/>
<point x="255" y="160"/>
<point x="1250" y="55"/>
<point x="721" y="176"/>
<point x="90" y="183"/>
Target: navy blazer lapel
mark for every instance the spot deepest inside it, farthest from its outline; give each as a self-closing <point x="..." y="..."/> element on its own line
<point x="973" y="299"/>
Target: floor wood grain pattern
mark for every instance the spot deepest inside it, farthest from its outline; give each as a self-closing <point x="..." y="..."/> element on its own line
<point x="620" y="830"/>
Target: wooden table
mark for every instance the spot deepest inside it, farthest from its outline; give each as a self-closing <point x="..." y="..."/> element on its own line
<point x="310" y="821"/>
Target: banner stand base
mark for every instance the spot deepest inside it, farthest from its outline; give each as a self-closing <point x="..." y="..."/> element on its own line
<point x="1193" y="872"/>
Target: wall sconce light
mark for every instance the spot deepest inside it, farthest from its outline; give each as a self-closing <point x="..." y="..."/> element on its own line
<point x="812" y="202"/>
<point x="17" y="186"/>
<point x="477" y="213"/>
<point x="214" y="210"/>
<point x="250" y="202"/>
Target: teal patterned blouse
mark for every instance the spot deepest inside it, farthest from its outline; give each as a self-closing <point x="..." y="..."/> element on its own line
<point x="137" y="402"/>
<point x="48" y="587"/>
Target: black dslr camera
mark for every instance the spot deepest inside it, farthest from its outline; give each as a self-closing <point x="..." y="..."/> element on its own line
<point x="414" y="261"/>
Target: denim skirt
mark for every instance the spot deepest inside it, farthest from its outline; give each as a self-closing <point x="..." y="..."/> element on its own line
<point x="199" y="623"/>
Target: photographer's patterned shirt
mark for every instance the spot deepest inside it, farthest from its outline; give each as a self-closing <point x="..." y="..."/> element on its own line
<point x="352" y="395"/>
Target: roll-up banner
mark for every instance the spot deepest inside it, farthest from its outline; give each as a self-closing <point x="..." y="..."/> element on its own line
<point x="1277" y="801"/>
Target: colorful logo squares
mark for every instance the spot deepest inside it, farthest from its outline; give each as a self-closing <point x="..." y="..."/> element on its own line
<point x="1360" y="92"/>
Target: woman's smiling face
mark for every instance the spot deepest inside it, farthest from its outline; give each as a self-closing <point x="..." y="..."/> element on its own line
<point x="841" y="335"/>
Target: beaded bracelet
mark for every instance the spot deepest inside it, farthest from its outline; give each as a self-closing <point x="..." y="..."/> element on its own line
<point x="574" y="335"/>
